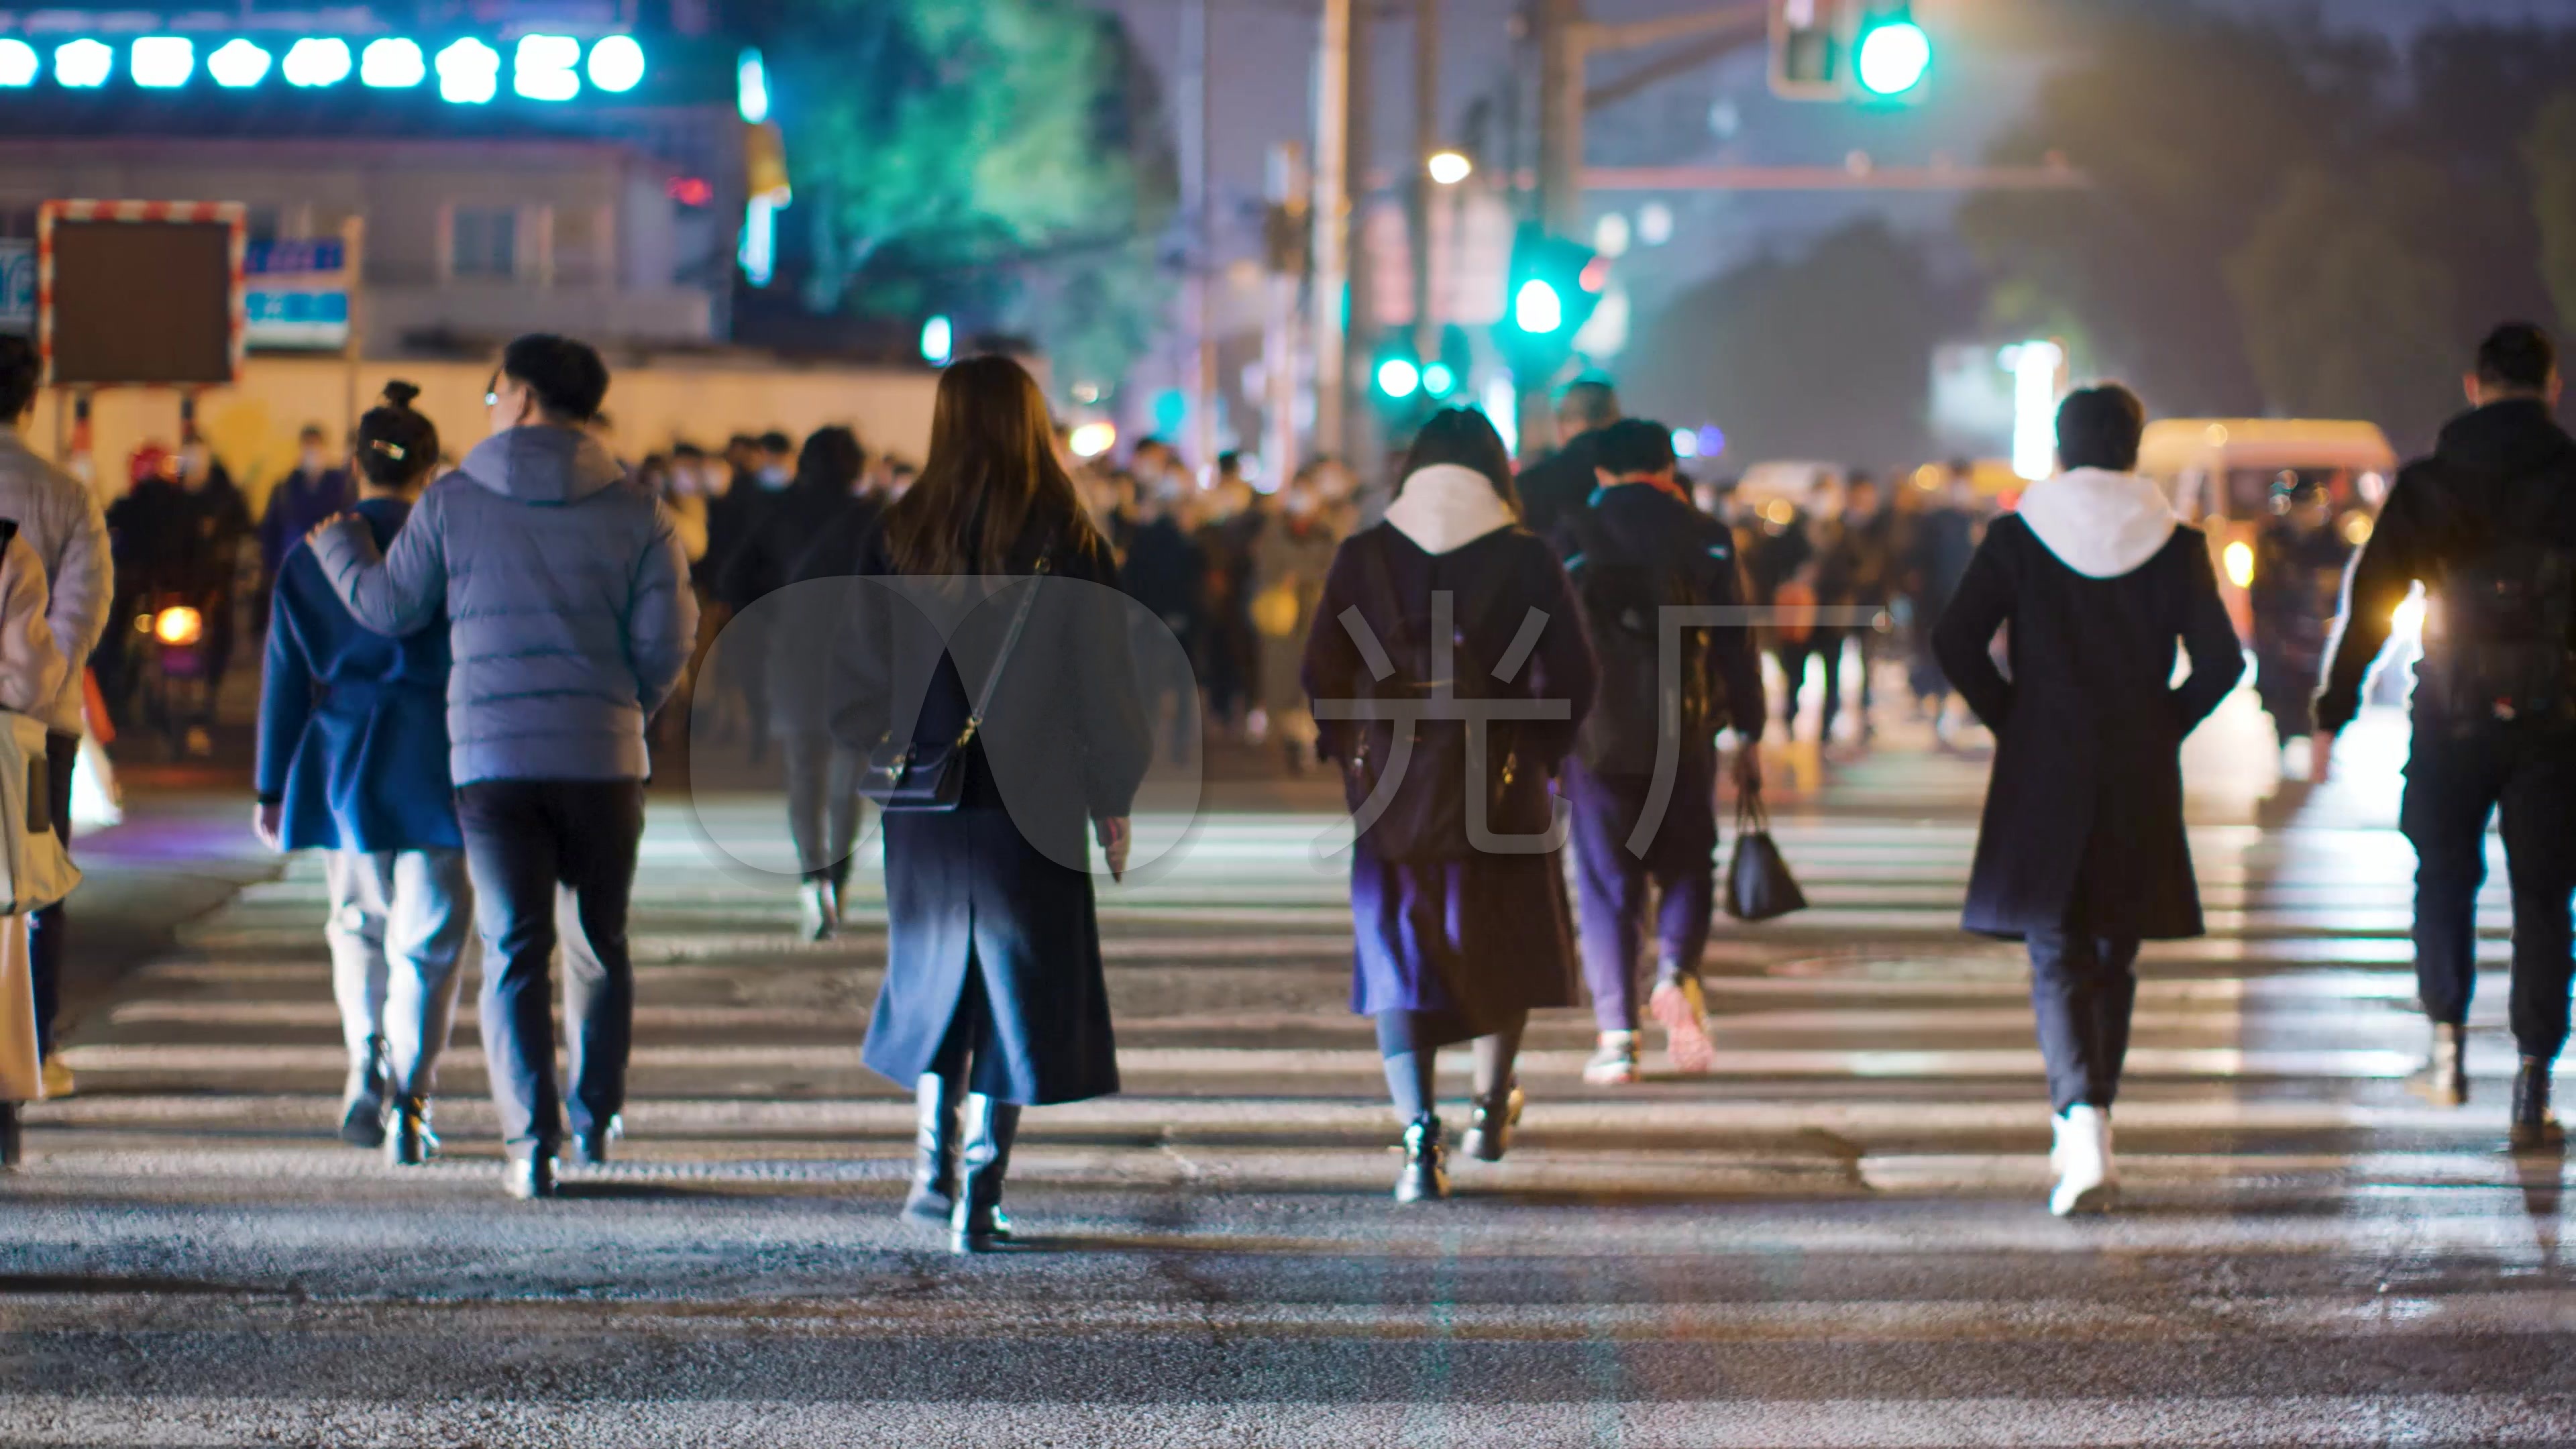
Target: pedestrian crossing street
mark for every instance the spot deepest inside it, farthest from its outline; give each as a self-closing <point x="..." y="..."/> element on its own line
<point x="1838" y="1237"/>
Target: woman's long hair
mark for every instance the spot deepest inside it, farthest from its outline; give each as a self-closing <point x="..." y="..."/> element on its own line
<point x="1465" y="437"/>
<point x="992" y="473"/>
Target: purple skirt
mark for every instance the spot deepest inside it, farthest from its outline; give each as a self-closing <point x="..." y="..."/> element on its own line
<point x="1478" y="941"/>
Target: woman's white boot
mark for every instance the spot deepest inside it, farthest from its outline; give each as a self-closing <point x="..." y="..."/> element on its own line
<point x="2087" y="1179"/>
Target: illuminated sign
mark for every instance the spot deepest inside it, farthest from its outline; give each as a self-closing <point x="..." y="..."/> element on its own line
<point x="296" y="293"/>
<point x="549" y="68"/>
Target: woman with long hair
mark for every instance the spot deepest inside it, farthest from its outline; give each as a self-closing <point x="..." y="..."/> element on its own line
<point x="994" y="998"/>
<point x="1450" y="700"/>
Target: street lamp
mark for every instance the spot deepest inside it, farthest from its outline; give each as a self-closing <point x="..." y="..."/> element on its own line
<point x="1449" y="167"/>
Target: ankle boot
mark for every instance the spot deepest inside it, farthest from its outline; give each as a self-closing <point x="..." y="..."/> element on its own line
<point x="2443" y="1080"/>
<point x="935" y="1143"/>
<point x="362" y="1101"/>
<point x="2534" y="1125"/>
<point x="818" y="909"/>
<point x="12" y="1144"/>
<point x="1489" y="1132"/>
<point x="1426" y="1163"/>
<point x="408" y="1140"/>
<point x="2087" y="1179"/>
<point x="978" y="1224"/>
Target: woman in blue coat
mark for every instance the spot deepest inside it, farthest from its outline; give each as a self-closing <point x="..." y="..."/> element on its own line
<point x="1458" y="905"/>
<point x="994" y="997"/>
<point x="353" y="762"/>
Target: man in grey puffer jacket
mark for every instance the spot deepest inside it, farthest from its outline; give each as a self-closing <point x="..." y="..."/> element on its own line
<point x="570" y="619"/>
<point x="60" y="519"/>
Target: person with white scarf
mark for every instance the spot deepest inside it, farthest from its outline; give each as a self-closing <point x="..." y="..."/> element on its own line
<point x="2081" y="853"/>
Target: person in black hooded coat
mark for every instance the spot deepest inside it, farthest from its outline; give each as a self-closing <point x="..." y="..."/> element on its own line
<point x="2081" y="853"/>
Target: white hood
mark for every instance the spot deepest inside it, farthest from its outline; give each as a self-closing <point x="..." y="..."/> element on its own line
<point x="1445" y="507"/>
<point x="2099" y="523"/>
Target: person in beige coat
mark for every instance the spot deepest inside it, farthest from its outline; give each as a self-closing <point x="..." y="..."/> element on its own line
<point x="32" y="672"/>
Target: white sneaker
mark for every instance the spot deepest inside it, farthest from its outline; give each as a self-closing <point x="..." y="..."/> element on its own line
<point x="2087" y="1180"/>
<point x="818" y="910"/>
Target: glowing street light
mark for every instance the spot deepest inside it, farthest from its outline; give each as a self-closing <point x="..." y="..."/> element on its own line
<point x="83" y="64"/>
<point x="164" y="62"/>
<point x="542" y="67"/>
<point x="938" y="341"/>
<point x="316" y="62"/>
<point x="238" y="65"/>
<point x="1449" y="167"/>
<point x="1090" y="440"/>
<point x="2034" y="368"/>
<point x="469" y="72"/>
<point x="616" y="64"/>
<point x="392" y="65"/>
<point x="18" y="63"/>
<point x="751" y="88"/>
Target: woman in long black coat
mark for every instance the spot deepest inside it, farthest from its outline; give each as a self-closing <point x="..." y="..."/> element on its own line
<point x="1457" y="940"/>
<point x="2082" y="852"/>
<point x="994" y="998"/>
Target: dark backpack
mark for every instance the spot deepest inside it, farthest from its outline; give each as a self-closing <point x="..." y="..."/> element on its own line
<point x="2500" y="643"/>
<point x="1425" y="815"/>
<point x="1623" y="596"/>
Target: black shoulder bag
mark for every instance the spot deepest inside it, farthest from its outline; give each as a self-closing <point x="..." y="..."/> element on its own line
<point x="925" y="778"/>
<point x="1758" y="884"/>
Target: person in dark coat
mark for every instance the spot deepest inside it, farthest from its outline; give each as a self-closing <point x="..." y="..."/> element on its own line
<point x="1943" y="540"/>
<point x="994" y="996"/>
<point x="822" y="781"/>
<point x="1562" y="481"/>
<point x="1460" y="934"/>
<point x="353" y="762"/>
<point x="1857" y="572"/>
<point x="1164" y="573"/>
<point x="2299" y="560"/>
<point x="218" y="528"/>
<point x="1637" y="549"/>
<point x="2082" y="853"/>
<point x="315" y="491"/>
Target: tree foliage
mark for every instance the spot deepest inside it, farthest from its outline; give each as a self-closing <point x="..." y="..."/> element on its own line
<point x="2281" y="217"/>
<point x="949" y="152"/>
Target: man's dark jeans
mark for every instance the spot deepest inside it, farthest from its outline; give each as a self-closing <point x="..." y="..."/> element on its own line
<point x="48" y="930"/>
<point x="532" y="846"/>
<point x="2083" y="988"/>
<point x="2454" y="783"/>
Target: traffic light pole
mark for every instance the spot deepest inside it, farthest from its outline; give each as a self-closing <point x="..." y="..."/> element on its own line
<point x="1426" y="139"/>
<point x="1332" y="219"/>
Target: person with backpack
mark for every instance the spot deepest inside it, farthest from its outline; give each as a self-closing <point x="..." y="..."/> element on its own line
<point x="1449" y="671"/>
<point x="2081" y="852"/>
<point x="1635" y="551"/>
<point x="2487" y="525"/>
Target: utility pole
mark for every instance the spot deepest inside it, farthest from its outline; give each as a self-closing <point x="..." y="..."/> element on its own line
<point x="1564" y="44"/>
<point x="1286" y="243"/>
<point x="1199" y="181"/>
<point x="1357" y="441"/>
<point x="1332" y="218"/>
<point x="1426" y="139"/>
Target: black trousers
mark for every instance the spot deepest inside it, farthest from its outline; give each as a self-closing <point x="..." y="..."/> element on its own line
<point x="2083" y="988"/>
<point x="537" y="849"/>
<point x="1823" y="644"/>
<point x="2454" y="783"/>
<point x="49" y="930"/>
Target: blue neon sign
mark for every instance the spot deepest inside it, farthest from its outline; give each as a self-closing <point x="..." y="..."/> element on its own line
<point x="469" y="71"/>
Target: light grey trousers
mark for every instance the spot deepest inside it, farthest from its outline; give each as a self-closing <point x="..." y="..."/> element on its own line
<point x="399" y="923"/>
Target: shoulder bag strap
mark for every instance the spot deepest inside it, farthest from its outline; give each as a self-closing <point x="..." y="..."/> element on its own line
<point x="1010" y="640"/>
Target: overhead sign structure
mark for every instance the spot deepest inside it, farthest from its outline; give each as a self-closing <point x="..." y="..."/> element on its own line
<point x="140" y="293"/>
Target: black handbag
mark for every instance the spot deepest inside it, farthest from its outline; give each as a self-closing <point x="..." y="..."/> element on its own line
<point x="928" y="777"/>
<point x="1758" y="884"/>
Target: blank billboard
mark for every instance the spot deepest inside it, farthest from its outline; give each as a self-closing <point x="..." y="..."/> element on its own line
<point x="142" y="302"/>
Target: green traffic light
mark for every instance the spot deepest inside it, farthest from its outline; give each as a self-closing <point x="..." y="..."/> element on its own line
<point x="1536" y="308"/>
<point x="1397" y="377"/>
<point x="1894" y="58"/>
